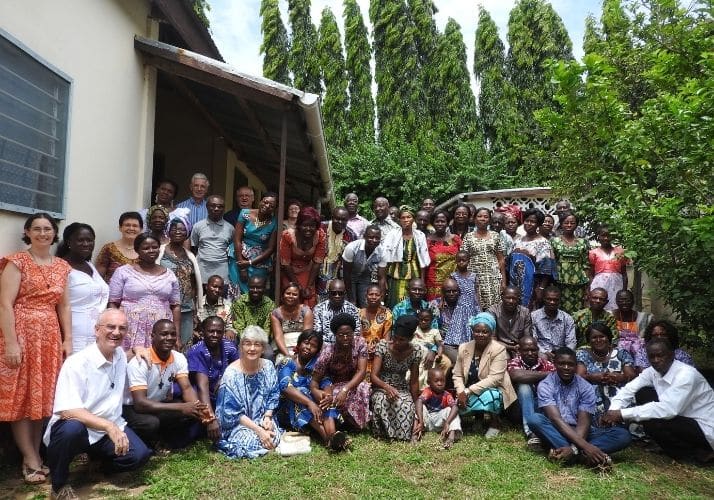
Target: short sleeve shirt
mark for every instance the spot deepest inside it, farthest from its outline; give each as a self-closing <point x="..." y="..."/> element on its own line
<point x="157" y="380"/>
<point x="569" y="399"/>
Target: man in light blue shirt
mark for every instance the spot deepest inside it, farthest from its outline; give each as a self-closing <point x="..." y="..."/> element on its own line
<point x="196" y="203"/>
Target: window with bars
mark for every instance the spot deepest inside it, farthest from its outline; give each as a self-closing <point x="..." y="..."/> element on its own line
<point x="34" y="101"/>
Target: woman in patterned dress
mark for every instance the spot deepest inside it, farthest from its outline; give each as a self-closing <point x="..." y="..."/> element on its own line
<point x="146" y="292"/>
<point x="572" y="265"/>
<point x="297" y="405"/>
<point x="393" y="398"/>
<point x="184" y="265"/>
<point x="301" y="252"/>
<point x="118" y="253"/>
<point x="36" y="324"/>
<point x="467" y="306"/>
<point x="406" y="256"/>
<point x="485" y="249"/>
<point x="247" y="401"/>
<point x="376" y="322"/>
<point x="288" y="320"/>
<point x="606" y="367"/>
<point x="538" y="248"/>
<point x="254" y="242"/>
<point x="344" y="363"/>
<point x="442" y="252"/>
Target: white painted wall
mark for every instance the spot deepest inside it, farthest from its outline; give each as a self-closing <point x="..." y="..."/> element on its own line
<point x="111" y="129"/>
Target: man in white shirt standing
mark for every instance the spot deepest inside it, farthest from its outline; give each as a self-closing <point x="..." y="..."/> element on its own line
<point x="678" y="414"/>
<point x="87" y="409"/>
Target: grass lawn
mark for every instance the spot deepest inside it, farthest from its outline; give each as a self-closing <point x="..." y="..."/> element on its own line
<point x="474" y="468"/>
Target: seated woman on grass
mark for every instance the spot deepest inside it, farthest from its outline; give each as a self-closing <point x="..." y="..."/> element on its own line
<point x="247" y="399"/>
<point x="665" y="330"/>
<point x="297" y="407"/>
<point x="344" y="363"/>
<point x="480" y="379"/>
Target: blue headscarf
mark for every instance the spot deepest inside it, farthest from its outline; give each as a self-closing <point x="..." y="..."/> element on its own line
<point x="483" y="318"/>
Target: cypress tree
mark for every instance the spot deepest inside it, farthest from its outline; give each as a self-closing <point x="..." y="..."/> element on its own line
<point x="360" y="117"/>
<point x="426" y="41"/>
<point x="275" y="47"/>
<point x="304" y="61"/>
<point x="332" y="65"/>
<point x="456" y="103"/>
<point x="400" y="101"/>
<point x="495" y="94"/>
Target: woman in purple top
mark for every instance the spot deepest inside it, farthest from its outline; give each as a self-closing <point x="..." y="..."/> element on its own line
<point x="661" y="329"/>
<point x="146" y="292"/>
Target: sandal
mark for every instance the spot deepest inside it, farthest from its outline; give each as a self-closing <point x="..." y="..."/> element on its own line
<point x="32" y="476"/>
<point x="339" y="442"/>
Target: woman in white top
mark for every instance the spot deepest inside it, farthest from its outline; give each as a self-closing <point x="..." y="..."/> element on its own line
<point x="88" y="292"/>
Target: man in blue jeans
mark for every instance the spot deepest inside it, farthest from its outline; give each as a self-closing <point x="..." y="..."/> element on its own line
<point x="526" y="371"/>
<point x="567" y="402"/>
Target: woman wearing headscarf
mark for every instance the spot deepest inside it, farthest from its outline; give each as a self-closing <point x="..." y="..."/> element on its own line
<point x="480" y="378"/>
<point x="406" y="256"/>
<point x="176" y="258"/>
<point x="301" y="252"/>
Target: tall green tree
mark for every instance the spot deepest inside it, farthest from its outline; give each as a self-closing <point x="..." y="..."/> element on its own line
<point x="647" y="170"/>
<point x="202" y="8"/>
<point x="360" y="117"/>
<point x="276" y="46"/>
<point x="332" y="65"/>
<point x="426" y="41"/>
<point x="400" y="98"/>
<point x="536" y="34"/>
<point x="496" y="103"/>
<point x="455" y="100"/>
<point x="304" y="61"/>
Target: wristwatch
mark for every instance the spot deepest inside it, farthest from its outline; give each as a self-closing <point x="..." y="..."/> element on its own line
<point x="575" y="449"/>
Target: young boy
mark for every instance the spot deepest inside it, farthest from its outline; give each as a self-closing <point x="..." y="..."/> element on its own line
<point x="432" y="346"/>
<point x="441" y="414"/>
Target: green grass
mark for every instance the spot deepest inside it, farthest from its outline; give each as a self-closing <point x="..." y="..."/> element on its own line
<point x="474" y="468"/>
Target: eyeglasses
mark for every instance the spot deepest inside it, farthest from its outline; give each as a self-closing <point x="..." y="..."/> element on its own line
<point x="111" y="328"/>
<point x="247" y="344"/>
<point x="337" y="293"/>
<point x="40" y="230"/>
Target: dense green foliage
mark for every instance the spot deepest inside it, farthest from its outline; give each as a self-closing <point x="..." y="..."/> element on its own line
<point x="276" y="46"/>
<point x="360" y="116"/>
<point x="332" y="64"/>
<point x="633" y="142"/>
<point x="426" y="40"/>
<point x="304" y="60"/>
<point x="201" y="8"/>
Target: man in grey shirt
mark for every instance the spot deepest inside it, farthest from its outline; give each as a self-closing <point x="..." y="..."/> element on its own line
<point x="210" y="239"/>
<point x="552" y="327"/>
<point x="513" y="320"/>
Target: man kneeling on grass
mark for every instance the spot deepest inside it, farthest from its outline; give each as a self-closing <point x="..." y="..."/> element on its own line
<point x="150" y="410"/>
<point x="568" y="403"/>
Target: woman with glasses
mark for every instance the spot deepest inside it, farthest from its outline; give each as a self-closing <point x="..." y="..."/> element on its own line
<point x="248" y="400"/>
<point x="36" y="325"/>
<point x="344" y="363"/>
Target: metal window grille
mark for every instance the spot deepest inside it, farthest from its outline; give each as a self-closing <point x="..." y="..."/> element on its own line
<point x="33" y="132"/>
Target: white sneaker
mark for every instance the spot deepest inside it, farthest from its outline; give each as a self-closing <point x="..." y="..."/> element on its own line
<point x="492" y="432"/>
<point x="534" y="443"/>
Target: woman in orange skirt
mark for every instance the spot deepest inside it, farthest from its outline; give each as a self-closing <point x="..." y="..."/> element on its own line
<point x="35" y="319"/>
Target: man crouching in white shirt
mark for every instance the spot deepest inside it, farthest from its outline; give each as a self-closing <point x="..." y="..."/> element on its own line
<point x="87" y="409"/>
<point x="674" y="402"/>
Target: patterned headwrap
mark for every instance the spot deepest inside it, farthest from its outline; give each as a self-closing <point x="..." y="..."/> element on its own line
<point x="154" y="208"/>
<point x="483" y="318"/>
<point x="406" y="208"/>
<point x="182" y="219"/>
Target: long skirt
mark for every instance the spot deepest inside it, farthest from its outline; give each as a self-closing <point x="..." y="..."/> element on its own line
<point x="392" y="419"/>
<point x="489" y="401"/>
<point x="612" y="282"/>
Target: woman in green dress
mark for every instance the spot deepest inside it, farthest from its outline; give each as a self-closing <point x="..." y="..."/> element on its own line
<point x="573" y="266"/>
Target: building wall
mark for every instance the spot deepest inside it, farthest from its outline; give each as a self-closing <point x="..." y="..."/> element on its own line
<point x="109" y="155"/>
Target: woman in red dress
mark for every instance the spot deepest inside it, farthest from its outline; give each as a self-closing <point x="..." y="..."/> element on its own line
<point x="36" y="324"/>
<point x="442" y="247"/>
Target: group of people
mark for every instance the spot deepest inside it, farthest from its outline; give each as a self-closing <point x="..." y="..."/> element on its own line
<point x="402" y="325"/>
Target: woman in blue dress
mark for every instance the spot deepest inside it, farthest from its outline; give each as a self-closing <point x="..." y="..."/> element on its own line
<point x="297" y="407"/>
<point x="247" y="399"/>
<point x="255" y="236"/>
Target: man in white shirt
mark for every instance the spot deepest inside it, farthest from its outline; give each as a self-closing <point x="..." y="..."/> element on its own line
<point x="160" y="405"/>
<point x="678" y="414"/>
<point x="355" y="222"/>
<point x="87" y="409"/>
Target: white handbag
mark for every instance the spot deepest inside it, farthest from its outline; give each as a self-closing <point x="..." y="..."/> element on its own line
<point x="293" y="443"/>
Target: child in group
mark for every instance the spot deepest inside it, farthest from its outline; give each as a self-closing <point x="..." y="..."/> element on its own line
<point x="432" y="346"/>
<point x="442" y="413"/>
<point x="467" y="305"/>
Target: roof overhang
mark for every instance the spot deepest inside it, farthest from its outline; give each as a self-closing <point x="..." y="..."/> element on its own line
<point x="249" y="112"/>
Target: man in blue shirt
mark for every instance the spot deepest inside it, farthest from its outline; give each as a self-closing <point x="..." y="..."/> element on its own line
<point x="567" y="402"/>
<point x="196" y="203"/>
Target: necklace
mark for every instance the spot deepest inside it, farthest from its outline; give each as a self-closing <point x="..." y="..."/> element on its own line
<point x="34" y="259"/>
<point x="260" y="223"/>
<point x="600" y="357"/>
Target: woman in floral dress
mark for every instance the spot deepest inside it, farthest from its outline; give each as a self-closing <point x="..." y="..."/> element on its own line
<point x="572" y="265"/>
